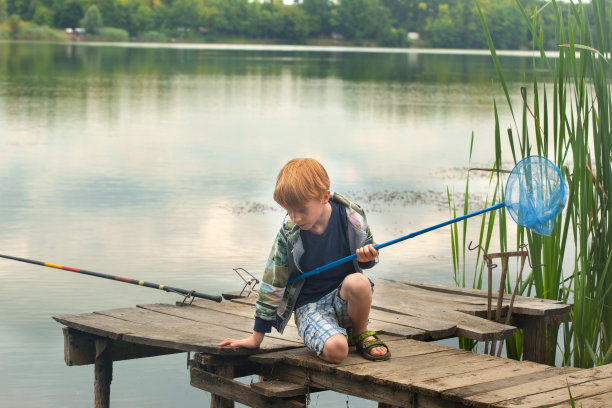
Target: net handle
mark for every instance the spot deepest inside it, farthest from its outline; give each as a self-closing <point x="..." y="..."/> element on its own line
<point x="394" y="241"/>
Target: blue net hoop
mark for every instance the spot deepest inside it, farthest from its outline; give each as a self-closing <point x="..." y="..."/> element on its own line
<point x="536" y="194"/>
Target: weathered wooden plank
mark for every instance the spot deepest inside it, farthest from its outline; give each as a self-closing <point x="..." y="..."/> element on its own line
<point x="522" y="304"/>
<point x="307" y="358"/>
<point x="290" y="332"/>
<point x="434" y="329"/>
<point x="245" y="307"/>
<point x="424" y="306"/>
<point x="236" y="391"/>
<point x="277" y="388"/>
<point x="508" y="369"/>
<point x="603" y="400"/>
<point x="182" y="332"/>
<point x="141" y="333"/>
<point x="380" y="321"/>
<point x="272" y="357"/>
<point x="561" y="395"/>
<point x="393" y="299"/>
<point x="466" y="299"/>
<point x="389" y="373"/>
<point x="456" y="301"/>
<point x="463" y="393"/>
<point x="155" y="329"/>
<point x="560" y="382"/>
<point x="440" y="301"/>
<point x="355" y="382"/>
<point x="95" y="324"/>
<point x="409" y="371"/>
<point x="240" y="364"/>
<point x="466" y="325"/>
<point x="391" y="329"/>
<point x="79" y="349"/>
<point x="351" y="385"/>
<point x="215" y="317"/>
<point x="435" y="287"/>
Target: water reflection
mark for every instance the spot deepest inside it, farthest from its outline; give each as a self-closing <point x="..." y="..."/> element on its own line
<point x="158" y="164"/>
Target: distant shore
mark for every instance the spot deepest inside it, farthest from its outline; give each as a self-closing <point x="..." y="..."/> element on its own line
<point x="269" y="46"/>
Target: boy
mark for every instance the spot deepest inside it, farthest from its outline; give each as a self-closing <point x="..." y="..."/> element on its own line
<point x="320" y="227"/>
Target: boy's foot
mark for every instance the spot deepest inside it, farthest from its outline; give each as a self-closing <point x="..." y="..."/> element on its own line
<point x="369" y="345"/>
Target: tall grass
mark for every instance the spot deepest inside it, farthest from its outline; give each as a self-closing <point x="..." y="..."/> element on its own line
<point x="569" y="120"/>
<point x="459" y="246"/>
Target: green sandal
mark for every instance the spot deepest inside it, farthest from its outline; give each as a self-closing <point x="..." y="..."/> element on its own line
<point x="349" y="337"/>
<point x="364" y="347"/>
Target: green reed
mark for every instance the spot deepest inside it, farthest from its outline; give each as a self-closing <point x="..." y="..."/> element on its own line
<point x="568" y="121"/>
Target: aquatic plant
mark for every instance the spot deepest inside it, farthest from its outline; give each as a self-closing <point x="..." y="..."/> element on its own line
<point x="568" y="119"/>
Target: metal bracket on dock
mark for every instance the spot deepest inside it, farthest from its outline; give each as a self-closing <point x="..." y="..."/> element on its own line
<point x="248" y="288"/>
<point x="251" y="283"/>
<point x="187" y="296"/>
<point x="523" y="254"/>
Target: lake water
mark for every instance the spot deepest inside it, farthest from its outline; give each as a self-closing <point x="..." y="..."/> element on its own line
<point x="158" y="163"/>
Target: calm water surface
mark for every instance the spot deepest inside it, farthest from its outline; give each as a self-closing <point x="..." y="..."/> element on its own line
<point x="159" y="163"/>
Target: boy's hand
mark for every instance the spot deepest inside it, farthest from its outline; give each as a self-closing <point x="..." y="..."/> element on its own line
<point x="366" y="253"/>
<point x="251" y="342"/>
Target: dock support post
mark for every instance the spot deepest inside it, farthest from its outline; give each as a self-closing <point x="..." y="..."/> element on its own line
<point x="540" y="338"/>
<point x="226" y="371"/>
<point x="103" y="369"/>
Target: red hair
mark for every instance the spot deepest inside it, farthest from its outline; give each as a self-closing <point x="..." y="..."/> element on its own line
<point x="299" y="181"/>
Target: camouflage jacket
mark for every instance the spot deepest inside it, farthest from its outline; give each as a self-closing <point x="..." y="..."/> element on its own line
<point x="277" y="299"/>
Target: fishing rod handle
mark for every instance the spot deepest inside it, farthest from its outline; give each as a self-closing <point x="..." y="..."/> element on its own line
<point x="216" y="298"/>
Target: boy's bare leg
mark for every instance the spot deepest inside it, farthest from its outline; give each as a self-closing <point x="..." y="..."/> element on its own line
<point x="335" y="349"/>
<point x="357" y="292"/>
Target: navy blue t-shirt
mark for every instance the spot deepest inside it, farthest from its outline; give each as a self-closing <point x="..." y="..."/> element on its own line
<point x="322" y="249"/>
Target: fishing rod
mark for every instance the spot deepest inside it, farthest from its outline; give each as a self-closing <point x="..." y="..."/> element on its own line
<point x="165" y="288"/>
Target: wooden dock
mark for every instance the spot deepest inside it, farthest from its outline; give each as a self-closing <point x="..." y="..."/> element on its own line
<point x="408" y="314"/>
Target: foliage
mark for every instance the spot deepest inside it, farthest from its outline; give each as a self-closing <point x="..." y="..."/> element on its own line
<point x="92" y="22"/>
<point x="363" y="19"/>
<point x="14" y="23"/>
<point x="154" y="36"/>
<point x="111" y="34"/>
<point x="33" y="32"/>
<point x="318" y="14"/>
<point x="143" y="19"/>
<point x="43" y="16"/>
<point x="442" y="29"/>
<point x="567" y="116"/>
<point x="290" y="23"/>
<point x="3" y="12"/>
<point x="440" y="23"/>
<point x="68" y="14"/>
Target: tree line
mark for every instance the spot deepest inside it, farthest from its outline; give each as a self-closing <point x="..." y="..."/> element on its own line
<point x="439" y="23"/>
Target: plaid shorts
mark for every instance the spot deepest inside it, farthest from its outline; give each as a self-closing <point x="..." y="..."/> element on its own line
<point x="318" y="321"/>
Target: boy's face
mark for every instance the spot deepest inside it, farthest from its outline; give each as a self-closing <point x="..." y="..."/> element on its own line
<point x="312" y="215"/>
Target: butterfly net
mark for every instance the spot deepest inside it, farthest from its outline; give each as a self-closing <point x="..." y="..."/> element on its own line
<point x="535" y="194"/>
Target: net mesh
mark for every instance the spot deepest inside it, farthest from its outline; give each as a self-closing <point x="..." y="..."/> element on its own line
<point x="536" y="194"/>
